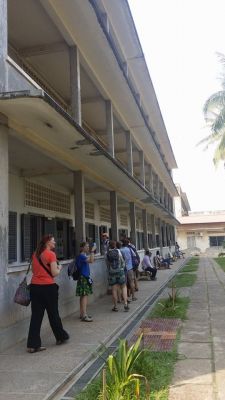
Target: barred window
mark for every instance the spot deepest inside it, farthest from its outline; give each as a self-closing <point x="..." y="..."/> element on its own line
<point x="89" y="210"/>
<point x="105" y="215"/>
<point x="43" y="197"/>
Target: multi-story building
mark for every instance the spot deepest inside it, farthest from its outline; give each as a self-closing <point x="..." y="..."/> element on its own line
<point x="83" y="145"/>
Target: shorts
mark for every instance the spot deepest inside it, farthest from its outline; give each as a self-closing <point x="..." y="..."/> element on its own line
<point x="116" y="277"/>
<point x="83" y="287"/>
<point x="130" y="277"/>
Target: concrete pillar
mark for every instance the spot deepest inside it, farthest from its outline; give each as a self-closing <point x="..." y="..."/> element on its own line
<point x="4" y="201"/>
<point x="165" y="193"/>
<point x="109" y="127"/>
<point x="153" y="230"/>
<point x="160" y="233"/>
<point x="114" y="215"/>
<point x="129" y="153"/>
<point x="79" y="208"/>
<point x="142" y="167"/>
<point x="133" y="223"/>
<point x="3" y="45"/>
<point x="157" y="188"/>
<point x="75" y="89"/>
<point x="164" y="234"/>
<point x="145" y="229"/>
<point x="150" y="179"/>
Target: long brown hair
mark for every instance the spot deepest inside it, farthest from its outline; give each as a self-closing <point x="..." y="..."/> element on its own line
<point x="42" y="244"/>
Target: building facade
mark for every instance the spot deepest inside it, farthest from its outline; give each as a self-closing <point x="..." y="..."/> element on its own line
<point x="84" y="148"/>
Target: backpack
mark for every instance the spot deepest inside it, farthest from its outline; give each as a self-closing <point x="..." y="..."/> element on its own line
<point x="113" y="258"/>
<point x="73" y="269"/>
<point x="135" y="258"/>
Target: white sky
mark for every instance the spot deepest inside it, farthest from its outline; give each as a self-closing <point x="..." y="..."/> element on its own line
<point x="180" y="39"/>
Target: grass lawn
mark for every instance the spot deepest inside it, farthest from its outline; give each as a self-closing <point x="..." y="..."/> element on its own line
<point x="163" y="309"/>
<point x="221" y="262"/>
<point x="183" y="280"/>
<point x="189" y="268"/>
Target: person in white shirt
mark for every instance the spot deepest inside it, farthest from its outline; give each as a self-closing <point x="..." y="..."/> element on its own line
<point x="147" y="265"/>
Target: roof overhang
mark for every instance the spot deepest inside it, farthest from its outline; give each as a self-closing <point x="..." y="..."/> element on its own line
<point x="38" y="120"/>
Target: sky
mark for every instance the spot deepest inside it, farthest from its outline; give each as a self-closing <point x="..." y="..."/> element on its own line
<point x="180" y="39"/>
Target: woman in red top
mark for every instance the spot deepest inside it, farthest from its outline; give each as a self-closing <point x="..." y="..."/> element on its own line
<point x="44" y="295"/>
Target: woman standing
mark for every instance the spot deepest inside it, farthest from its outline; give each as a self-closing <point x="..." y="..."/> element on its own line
<point x="117" y="279"/>
<point x="84" y="283"/>
<point x="44" y="295"/>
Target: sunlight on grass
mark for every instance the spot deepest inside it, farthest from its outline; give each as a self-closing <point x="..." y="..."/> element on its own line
<point x="184" y="280"/>
<point x="221" y="262"/>
<point x="163" y="309"/>
<point x="189" y="268"/>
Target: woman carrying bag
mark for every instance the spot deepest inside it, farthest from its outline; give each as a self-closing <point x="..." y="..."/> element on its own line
<point x="44" y="295"/>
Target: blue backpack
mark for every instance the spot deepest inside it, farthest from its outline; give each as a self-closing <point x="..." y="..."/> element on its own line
<point x="73" y="269"/>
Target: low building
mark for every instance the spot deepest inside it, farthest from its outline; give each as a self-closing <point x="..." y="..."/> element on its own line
<point x="83" y="145"/>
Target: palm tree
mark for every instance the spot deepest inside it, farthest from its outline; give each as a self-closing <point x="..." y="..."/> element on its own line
<point x="214" y="114"/>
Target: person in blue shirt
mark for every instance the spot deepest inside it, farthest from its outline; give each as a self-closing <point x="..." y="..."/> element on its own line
<point x="127" y="254"/>
<point x="84" y="283"/>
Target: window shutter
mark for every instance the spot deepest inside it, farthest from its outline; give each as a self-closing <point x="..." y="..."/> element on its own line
<point x="71" y="239"/>
<point x="97" y="241"/>
<point x="26" y="237"/>
<point x="12" y="232"/>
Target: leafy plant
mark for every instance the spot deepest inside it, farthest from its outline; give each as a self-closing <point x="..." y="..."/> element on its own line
<point x="123" y="383"/>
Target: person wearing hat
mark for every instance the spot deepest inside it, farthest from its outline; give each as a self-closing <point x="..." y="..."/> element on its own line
<point x="105" y="242"/>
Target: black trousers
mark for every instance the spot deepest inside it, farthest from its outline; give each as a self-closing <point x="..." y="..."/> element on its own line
<point x="152" y="270"/>
<point x="44" y="297"/>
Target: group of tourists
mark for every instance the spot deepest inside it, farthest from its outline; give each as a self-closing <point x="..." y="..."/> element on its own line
<point x="122" y="262"/>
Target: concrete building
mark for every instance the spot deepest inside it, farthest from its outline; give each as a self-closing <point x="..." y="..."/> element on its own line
<point x="202" y="231"/>
<point x="83" y="145"/>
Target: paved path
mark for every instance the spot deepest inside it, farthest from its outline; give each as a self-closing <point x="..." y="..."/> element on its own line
<point x="26" y="376"/>
<point x="200" y="371"/>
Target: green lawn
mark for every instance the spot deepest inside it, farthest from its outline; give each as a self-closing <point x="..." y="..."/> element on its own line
<point x="183" y="280"/>
<point x="164" y="309"/>
<point x="221" y="262"/>
<point x="189" y="268"/>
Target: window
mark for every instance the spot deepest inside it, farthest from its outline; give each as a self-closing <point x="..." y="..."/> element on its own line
<point x="216" y="241"/>
<point x="92" y="235"/>
<point x="123" y="233"/>
<point x="33" y="227"/>
<point x="140" y="240"/>
<point x="12" y="232"/>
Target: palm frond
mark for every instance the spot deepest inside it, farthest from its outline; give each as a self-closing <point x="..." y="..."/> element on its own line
<point x="215" y="102"/>
<point x="218" y="125"/>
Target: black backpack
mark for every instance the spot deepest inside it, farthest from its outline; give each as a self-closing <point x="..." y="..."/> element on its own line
<point x="73" y="269"/>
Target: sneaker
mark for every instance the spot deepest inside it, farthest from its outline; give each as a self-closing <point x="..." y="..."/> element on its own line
<point x="134" y="298"/>
<point x="115" y="308"/>
<point x="126" y="307"/>
<point x="87" y="318"/>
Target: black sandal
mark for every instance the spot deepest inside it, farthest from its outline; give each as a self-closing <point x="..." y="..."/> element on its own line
<point x="115" y="308"/>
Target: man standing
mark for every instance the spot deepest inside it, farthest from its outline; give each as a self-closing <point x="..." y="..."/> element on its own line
<point x="127" y="254"/>
<point x="135" y="269"/>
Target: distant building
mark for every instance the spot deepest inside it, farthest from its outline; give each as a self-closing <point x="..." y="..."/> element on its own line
<point x="203" y="231"/>
<point x="83" y="146"/>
